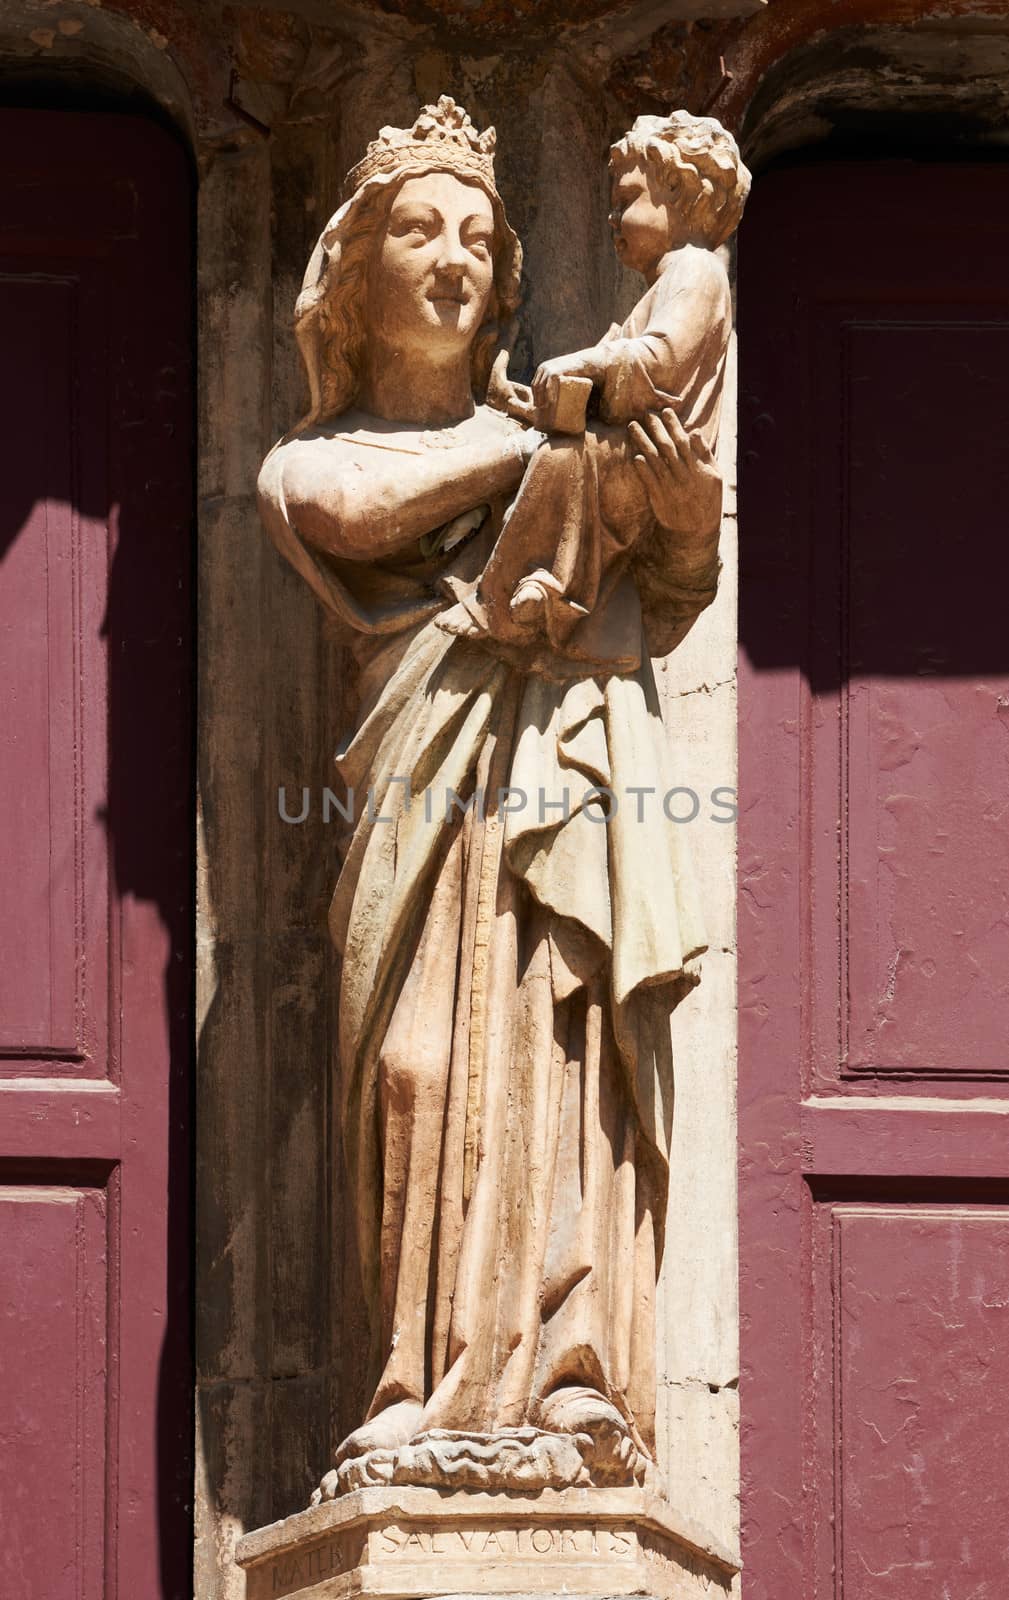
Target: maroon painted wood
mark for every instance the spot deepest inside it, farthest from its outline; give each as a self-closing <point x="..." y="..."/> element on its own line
<point x="874" y="881"/>
<point x="96" y="861"/>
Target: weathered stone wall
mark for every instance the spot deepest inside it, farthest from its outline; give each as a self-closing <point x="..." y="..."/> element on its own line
<point x="275" y="104"/>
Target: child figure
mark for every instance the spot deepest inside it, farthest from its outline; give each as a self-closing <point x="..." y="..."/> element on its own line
<point x="678" y="189"/>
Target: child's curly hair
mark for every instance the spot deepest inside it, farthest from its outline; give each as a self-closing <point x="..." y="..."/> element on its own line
<point x="696" y="158"/>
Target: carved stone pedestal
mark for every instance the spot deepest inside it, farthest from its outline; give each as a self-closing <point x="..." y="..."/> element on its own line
<point x="398" y="1542"/>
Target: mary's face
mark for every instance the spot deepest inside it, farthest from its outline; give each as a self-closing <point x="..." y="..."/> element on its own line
<point x="432" y="275"/>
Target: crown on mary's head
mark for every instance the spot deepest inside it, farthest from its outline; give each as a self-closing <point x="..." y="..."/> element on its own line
<point x="442" y="137"/>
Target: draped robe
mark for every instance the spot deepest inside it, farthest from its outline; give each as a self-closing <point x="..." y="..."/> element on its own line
<point x="508" y="972"/>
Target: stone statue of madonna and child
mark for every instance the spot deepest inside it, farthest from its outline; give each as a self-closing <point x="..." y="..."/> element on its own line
<point x="513" y="935"/>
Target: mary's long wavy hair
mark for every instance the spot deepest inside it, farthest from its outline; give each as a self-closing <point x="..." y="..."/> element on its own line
<point x="329" y="318"/>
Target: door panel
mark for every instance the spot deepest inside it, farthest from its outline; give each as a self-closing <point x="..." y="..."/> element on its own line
<point x="912" y="892"/>
<point x="53" y="1400"/>
<point x="908" y="1338"/>
<point x="95" y="858"/>
<point x="53" y="953"/>
<point x="874" y="878"/>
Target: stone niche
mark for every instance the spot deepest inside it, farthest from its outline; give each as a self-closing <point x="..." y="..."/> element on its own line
<point x="398" y="1542"/>
<point x="507" y="987"/>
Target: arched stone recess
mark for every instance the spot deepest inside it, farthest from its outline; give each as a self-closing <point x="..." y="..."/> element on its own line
<point x="280" y="1339"/>
<point x="62" y="50"/>
<point x="937" y="84"/>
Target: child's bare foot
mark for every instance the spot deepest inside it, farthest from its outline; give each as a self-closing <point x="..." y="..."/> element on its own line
<point x="529" y="602"/>
<point x="539" y="604"/>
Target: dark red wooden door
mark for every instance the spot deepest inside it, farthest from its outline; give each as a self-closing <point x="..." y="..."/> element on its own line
<point x="874" y="882"/>
<point x="95" y="858"/>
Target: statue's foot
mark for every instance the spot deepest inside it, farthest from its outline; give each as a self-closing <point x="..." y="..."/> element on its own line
<point x="391" y="1428"/>
<point x="368" y="1455"/>
<point x="609" y="1453"/>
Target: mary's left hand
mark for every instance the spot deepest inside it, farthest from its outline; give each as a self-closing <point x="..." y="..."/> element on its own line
<point x="680" y="478"/>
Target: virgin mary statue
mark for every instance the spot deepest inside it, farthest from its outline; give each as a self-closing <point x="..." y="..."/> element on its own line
<point x="515" y="926"/>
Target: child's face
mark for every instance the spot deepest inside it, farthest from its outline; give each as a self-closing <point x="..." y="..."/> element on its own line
<point x="644" y="221"/>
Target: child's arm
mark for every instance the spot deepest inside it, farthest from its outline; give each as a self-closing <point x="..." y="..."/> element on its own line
<point x="590" y="363"/>
<point x="680" y="349"/>
<point x="682" y="342"/>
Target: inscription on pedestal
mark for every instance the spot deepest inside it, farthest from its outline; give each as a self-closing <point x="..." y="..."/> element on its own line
<point x="405" y="1544"/>
<point x="302" y="1569"/>
<point x="401" y="1543"/>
